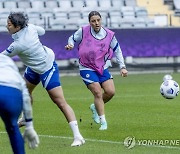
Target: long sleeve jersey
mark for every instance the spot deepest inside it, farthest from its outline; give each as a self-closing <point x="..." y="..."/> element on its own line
<point x="11" y="77"/>
<point x="30" y="50"/>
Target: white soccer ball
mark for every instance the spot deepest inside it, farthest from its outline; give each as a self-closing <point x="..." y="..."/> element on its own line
<point x="167" y="77"/>
<point x="169" y="89"/>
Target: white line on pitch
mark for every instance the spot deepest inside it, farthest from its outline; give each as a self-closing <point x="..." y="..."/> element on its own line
<point x="106" y="141"/>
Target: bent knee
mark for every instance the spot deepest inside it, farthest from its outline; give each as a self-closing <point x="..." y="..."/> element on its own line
<point x="110" y="93"/>
<point x="98" y="94"/>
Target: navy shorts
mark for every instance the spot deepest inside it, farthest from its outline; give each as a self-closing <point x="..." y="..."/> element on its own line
<point x="49" y="79"/>
<point x="89" y="76"/>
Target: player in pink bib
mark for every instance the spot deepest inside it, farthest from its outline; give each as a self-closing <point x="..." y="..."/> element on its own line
<point x="94" y="53"/>
<point x="96" y="47"/>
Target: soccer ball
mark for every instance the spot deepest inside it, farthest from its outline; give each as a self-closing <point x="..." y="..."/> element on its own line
<point x="169" y="89"/>
<point x="167" y="77"/>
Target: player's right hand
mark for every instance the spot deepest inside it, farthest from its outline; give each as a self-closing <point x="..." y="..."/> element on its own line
<point x="31" y="137"/>
<point x="69" y="47"/>
<point x="124" y="72"/>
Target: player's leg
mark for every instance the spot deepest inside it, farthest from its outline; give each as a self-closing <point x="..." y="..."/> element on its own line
<point x="56" y="94"/>
<point x="91" y="79"/>
<point x="54" y="89"/>
<point x="88" y="78"/>
<point x="96" y="90"/>
<point x="32" y="80"/>
<point x="10" y="109"/>
<point x="107" y="84"/>
<point x="109" y="90"/>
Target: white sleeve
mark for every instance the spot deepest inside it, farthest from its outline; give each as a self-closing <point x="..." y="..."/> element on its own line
<point x="9" y="65"/>
<point x="12" y="50"/>
<point x="118" y="52"/>
<point x="27" y="107"/>
<point x="40" y="30"/>
<point x="76" y="37"/>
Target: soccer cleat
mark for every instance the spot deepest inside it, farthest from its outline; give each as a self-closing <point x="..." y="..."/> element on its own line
<point x="103" y="126"/>
<point x="95" y="115"/>
<point x="78" y="142"/>
<point x="21" y="122"/>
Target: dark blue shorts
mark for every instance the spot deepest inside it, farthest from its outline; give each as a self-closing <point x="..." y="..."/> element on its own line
<point x="49" y="79"/>
<point x="89" y="76"/>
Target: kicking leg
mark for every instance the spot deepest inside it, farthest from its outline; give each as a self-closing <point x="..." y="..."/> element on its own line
<point x="57" y="96"/>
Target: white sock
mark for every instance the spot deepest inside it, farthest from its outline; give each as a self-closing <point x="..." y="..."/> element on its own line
<point x="102" y="118"/>
<point x="75" y="129"/>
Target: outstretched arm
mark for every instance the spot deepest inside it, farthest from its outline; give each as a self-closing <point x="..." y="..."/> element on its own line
<point x="119" y="57"/>
<point x="77" y="36"/>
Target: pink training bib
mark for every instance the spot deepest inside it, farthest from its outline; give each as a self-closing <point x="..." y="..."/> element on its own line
<point x="94" y="53"/>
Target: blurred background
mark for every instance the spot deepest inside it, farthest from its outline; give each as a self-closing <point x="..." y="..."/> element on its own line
<point x="148" y="30"/>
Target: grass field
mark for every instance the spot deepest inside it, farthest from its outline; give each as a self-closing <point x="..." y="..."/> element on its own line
<point x="137" y="110"/>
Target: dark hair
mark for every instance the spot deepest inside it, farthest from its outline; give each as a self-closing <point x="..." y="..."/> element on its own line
<point x="93" y="13"/>
<point x="18" y="19"/>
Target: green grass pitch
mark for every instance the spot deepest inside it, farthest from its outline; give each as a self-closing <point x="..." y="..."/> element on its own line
<point x="137" y="110"/>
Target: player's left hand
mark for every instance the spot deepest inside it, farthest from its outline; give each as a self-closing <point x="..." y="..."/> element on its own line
<point x="31" y="136"/>
<point x="124" y="72"/>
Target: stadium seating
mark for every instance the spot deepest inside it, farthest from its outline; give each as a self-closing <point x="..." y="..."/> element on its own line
<point x="57" y="23"/>
<point x="78" y="3"/>
<point x="38" y="4"/>
<point x="46" y="13"/>
<point x="74" y="14"/>
<point x="177" y="4"/>
<point x="117" y="4"/>
<point x="58" y="12"/>
<point x="40" y="22"/>
<point x="140" y="11"/>
<point x="33" y="13"/>
<point x="115" y="20"/>
<point x="24" y="4"/>
<point x="150" y="22"/>
<point x="105" y="4"/>
<point x="82" y="22"/>
<point x="91" y="4"/>
<point x="139" y="23"/>
<point x="10" y="4"/>
<point x="127" y="11"/>
<point x="1" y="5"/>
<point x="127" y="23"/>
<point x="4" y="12"/>
<point x="51" y="4"/>
<point x="130" y="3"/>
<point x="71" y="24"/>
<point x="65" y="4"/>
<point x="156" y="8"/>
<point x="111" y="11"/>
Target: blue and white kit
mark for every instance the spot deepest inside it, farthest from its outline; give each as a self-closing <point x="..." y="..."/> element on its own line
<point x="88" y="75"/>
<point x="14" y="98"/>
<point x="39" y="59"/>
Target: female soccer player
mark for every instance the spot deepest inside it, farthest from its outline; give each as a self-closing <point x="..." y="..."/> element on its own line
<point x="96" y="47"/>
<point x="41" y="65"/>
<point x="14" y="97"/>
